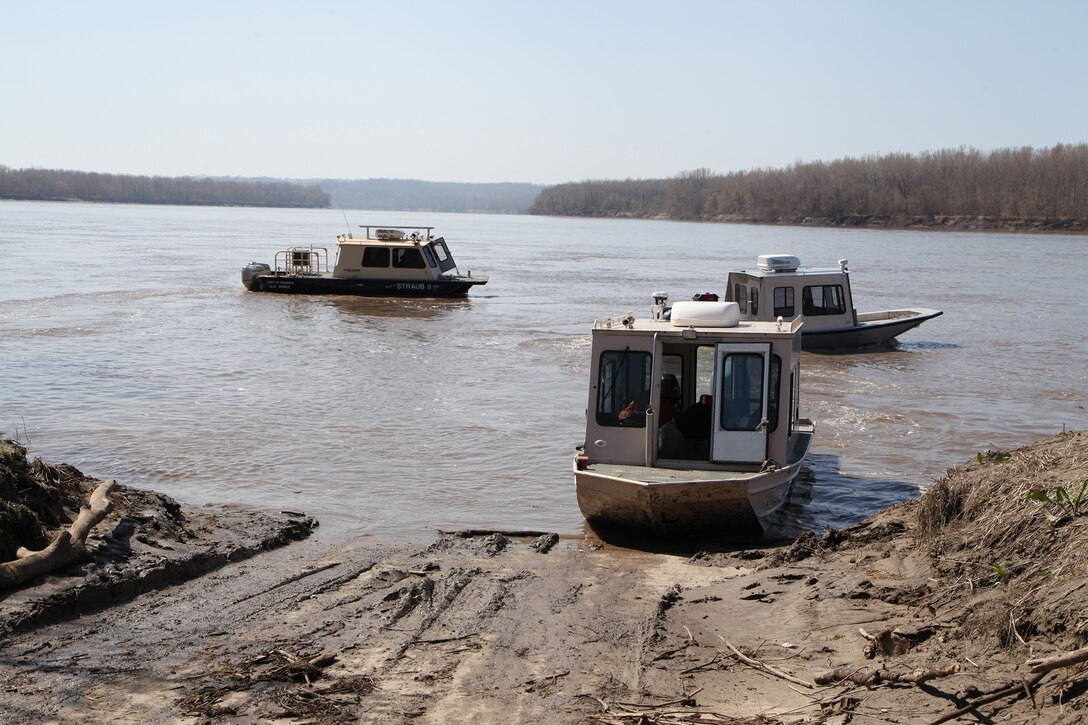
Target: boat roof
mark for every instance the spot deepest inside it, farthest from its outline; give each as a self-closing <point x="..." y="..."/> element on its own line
<point x="374" y="242"/>
<point x="628" y="323"/>
<point x="390" y="235"/>
<point x="799" y="272"/>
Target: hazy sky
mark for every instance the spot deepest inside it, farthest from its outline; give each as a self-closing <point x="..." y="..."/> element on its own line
<point x="520" y="90"/>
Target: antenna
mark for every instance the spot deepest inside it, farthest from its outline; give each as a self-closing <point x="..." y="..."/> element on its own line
<point x="346" y="222"/>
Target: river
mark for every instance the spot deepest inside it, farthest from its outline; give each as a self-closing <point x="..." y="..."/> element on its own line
<point x="131" y="350"/>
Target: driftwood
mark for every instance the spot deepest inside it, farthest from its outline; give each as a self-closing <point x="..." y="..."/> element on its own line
<point x="766" y="668"/>
<point x="1066" y="659"/>
<point x="1024" y="686"/>
<point x="1039" y="666"/>
<point x="67" y="547"/>
<point x="870" y="676"/>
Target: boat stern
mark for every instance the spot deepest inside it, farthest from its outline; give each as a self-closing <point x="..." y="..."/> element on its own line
<point x="252" y="271"/>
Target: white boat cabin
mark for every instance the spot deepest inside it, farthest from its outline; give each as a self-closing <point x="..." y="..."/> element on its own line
<point x="702" y="389"/>
<point x="401" y="253"/>
<point x="780" y="287"/>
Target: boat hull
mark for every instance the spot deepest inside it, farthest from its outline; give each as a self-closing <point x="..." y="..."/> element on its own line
<point x="453" y="286"/>
<point x="719" y="504"/>
<point x="873" y="330"/>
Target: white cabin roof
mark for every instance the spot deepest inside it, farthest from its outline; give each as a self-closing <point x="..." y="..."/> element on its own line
<point x="801" y="272"/>
<point x="665" y="328"/>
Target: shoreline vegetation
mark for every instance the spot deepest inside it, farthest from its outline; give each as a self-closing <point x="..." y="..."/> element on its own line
<point x="1007" y="190"/>
<point x="1023" y="189"/>
<point x="370" y="194"/>
<point x="64" y="185"/>
<point x="966" y="604"/>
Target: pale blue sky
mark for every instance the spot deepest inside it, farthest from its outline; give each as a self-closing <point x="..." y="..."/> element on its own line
<point x="544" y="91"/>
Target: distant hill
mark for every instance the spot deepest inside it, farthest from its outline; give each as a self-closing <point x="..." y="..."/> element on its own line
<point x="376" y="194"/>
<point x="66" y="185"/>
<point x="438" y="196"/>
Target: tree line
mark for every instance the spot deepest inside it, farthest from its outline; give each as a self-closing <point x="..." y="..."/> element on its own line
<point x="1007" y="188"/>
<point x="64" y="185"/>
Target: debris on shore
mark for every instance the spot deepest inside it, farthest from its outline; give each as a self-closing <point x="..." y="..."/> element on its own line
<point x="146" y="541"/>
<point x="968" y="604"/>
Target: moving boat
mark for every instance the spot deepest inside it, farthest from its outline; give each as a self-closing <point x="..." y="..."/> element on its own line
<point x="402" y="261"/>
<point x="693" y="423"/>
<point x="826" y="304"/>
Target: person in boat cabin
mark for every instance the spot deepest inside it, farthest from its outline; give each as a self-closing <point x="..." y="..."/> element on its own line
<point x="670" y="398"/>
<point x="630" y="413"/>
<point x="687" y="435"/>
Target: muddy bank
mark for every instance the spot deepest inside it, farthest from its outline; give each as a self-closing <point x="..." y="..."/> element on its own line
<point x="928" y="608"/>
<point x="146" y="542"/>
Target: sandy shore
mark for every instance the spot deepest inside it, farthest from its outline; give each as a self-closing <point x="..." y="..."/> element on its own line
<point x="958" y="590"/>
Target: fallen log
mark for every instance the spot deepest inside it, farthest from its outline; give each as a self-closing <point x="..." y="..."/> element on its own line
<point x="68" y="546"/>
<point x="1065" y="659"/>
<point x="1014" y="689"/>
<point x="870" y="676"/>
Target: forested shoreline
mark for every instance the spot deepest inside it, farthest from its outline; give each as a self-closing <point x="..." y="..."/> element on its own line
<point x="64" y="185"/>
<point x="1022" y="189"/>
<point x="1009" y="189"/>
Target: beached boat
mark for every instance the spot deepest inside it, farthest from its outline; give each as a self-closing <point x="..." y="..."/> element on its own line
<point x="693" y="422"/>
<point x="387" y="261"/>
<point x="780" y="287"/>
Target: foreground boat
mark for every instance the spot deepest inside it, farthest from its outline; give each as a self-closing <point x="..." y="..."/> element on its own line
<point x="825" y="302"/>
<point x="693" y="422"/>
<point x="392" y="262"/>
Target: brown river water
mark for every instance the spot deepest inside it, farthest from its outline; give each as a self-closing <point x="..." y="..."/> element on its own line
<point x="130" y="349"/>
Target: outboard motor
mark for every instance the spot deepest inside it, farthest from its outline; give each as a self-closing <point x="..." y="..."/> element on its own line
<point x="253" y="270"/>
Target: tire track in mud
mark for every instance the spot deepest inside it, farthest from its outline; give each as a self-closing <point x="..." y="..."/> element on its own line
<point x="470" y="628"/>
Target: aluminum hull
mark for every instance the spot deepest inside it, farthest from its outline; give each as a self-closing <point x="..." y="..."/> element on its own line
<point x="671" y="502"/>
<point x="873" y="330"/>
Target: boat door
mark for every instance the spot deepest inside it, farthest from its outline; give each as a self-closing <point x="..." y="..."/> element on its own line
<point x="740" y="427"/>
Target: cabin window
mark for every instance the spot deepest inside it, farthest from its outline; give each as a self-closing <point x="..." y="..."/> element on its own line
<point x="375" y="256"/>
<point x="408" y="258"/>
<point x="623" y="388"/>
<point x="740" y="295"/>
<point x="773" y="392"/>
<point x="742" y="391"/>
<point x="826" y="299"/>
<point x="753" y="300"/>
<point x="429" y="257"/>
<point x="783" y="302"/>
<point x="440" y="250"/>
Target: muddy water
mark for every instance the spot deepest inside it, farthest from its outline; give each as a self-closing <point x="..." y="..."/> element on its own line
<point x="129" y="349"/>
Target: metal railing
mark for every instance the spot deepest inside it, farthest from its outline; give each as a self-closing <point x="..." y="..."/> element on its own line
<point x="302" y="260"/>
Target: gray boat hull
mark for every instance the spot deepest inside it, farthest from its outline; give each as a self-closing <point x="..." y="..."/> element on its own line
<point x="873" y="330"/>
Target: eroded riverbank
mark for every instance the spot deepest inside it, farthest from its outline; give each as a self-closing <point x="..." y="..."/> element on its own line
<point x="915" y="613"/>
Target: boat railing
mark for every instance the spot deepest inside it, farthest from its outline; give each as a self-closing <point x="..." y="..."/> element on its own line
<point x="398" y="232"/>
<point x="302" y="260"/>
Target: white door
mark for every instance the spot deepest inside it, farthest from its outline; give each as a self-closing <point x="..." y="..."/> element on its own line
<point x="741" y="373"/>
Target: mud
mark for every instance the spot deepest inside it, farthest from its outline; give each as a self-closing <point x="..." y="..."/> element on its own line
<point x="501" y="628"/>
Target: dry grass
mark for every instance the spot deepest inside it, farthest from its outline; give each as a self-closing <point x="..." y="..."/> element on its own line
<point x="1017" y="571"/>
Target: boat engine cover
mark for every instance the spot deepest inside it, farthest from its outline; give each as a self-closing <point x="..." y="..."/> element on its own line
<point x="253" y="270"/>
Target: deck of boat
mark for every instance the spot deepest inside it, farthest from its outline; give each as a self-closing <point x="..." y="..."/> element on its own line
<point x="656" y="474"/>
